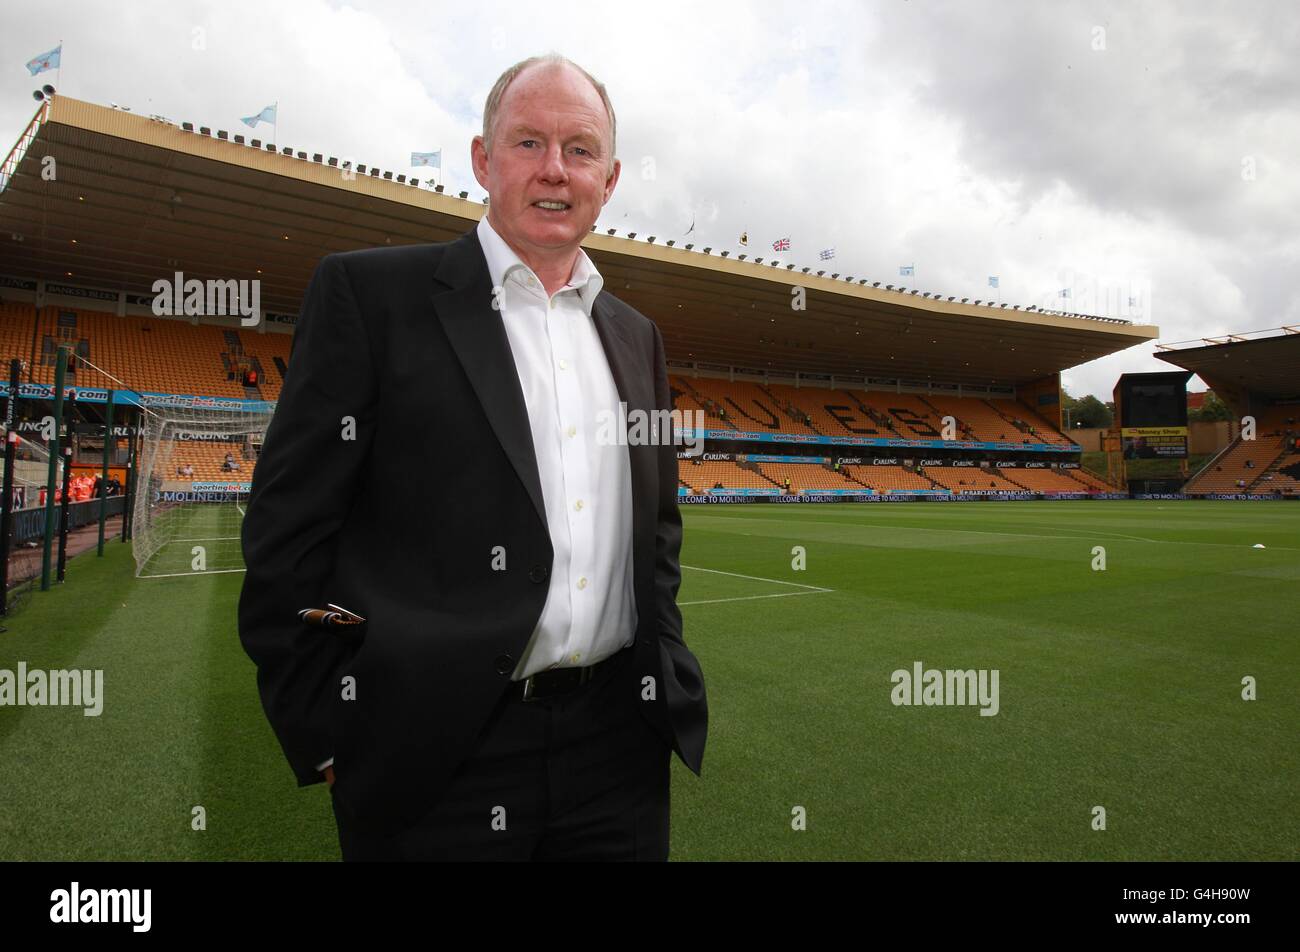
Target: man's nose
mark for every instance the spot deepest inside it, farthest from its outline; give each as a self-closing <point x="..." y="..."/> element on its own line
<point x="553" y="169"/>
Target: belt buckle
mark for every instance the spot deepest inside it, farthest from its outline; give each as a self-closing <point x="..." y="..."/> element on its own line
<point x="585" y="674"/>
<point x="528" y="688"/>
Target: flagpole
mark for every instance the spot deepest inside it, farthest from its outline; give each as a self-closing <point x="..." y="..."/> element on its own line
<point x="275" y="126"/>
<point x="58" y="70"/>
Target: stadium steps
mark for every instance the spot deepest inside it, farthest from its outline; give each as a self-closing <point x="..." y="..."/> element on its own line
<point x="1099" y="483"/>
<point x="939" y="414"/>
<point x="758" y="470"/>
<point x="702" y="403"/>
<point x="1010" y="420"/>
<point x="1212" y="461"/>
<point x="790" y="408"/>
<point x="847" y="474"/>
<point x="1222" y="473"/>
<point x="874" y="415"/>
<point x="934" y="484"/>
<point x="1271" y="468"/>
<point x="1286" y="474"/>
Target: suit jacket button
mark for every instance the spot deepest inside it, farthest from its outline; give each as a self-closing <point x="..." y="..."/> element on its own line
<point x="505" y="664"/>
<point x="538" y="573"/>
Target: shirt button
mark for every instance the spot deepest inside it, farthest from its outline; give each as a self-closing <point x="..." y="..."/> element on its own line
<point x="552" y="303"/>
<point x="572" y="431"/>
<point x="578" y="505"/>
<point x="577" y="656"/>
<point x="564" y="364"/>
<point x="582" y="582"/>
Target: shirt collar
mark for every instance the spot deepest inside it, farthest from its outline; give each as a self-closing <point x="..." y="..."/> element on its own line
<point x="502" y="261"/>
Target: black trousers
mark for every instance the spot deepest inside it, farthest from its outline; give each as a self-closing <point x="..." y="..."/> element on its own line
<point x="582" y="776"/>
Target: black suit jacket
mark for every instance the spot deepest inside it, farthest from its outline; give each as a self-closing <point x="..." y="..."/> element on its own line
<point x="398" y="460"/>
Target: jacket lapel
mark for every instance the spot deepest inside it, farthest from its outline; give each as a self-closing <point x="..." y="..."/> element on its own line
<point x="478" y="336"/>
<point x="631" y="373"/>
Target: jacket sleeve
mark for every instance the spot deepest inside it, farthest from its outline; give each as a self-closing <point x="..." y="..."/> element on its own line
<point x="303" y="487"/>
<point x="683" y="679"/>
<point x="668" y="533"/>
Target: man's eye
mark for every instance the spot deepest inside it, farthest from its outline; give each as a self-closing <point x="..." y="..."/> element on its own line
<point x="526" y="141"/>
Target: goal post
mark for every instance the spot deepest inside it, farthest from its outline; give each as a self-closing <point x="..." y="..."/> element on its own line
<point x="194" y="476"/>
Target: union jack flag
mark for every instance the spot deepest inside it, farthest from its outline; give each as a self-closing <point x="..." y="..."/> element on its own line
<point x="781" y="244"/>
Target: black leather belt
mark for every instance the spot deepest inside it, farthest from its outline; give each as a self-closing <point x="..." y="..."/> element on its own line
<point x="556" y="681"/>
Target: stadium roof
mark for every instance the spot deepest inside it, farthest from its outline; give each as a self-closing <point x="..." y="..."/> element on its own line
<point x="135" y="199"/>
<point x="1262" y="362"/>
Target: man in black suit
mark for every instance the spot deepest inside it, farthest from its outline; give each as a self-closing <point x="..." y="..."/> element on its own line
<point x="520" y="678"/>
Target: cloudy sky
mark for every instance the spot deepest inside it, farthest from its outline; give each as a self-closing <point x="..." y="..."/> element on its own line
<point x="1126" y="150"/>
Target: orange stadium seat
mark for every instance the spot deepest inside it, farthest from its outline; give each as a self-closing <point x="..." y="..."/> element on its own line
<point x="144" y="353"/>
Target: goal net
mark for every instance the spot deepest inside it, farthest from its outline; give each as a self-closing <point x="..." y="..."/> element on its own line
<point x="195" y="471"/>
<point x="31" y="470"/>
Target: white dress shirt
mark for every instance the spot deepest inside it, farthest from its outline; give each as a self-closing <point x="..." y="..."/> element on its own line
<point x="590" y="610"/>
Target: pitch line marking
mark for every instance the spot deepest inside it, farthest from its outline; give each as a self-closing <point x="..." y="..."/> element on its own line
<point x="747" y="598"/>
<point x="1025" y="535"/>
<point x="755" y="578"/>
<point x="194" y="574"/>
<point x="812" y="589"/>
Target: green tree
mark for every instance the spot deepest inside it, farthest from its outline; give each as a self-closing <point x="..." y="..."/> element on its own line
<point x="1212" y="409"/>
<point x="1087" y="412"/>
<point x="1091" y="412"/>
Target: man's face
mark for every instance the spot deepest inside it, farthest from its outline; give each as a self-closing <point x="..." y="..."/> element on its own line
<point x="552" y="141"/>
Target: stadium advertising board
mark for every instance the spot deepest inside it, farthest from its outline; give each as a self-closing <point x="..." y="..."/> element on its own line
<point x="45" y="391"/>
<point x="806" y="438"/>
<point x="1152" y="413"/>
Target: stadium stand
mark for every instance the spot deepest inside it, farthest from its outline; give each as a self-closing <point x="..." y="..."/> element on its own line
<point x="148" y="353"/>
<point x="1046" y="480"/>
<point x="157" y="354"/>
<point x="806" y="476"/>
<point x="725" y="474"/>
<point x="885" y="479"/>
<point x="749" y="406"/>
<point x="966" y="479"/>
<point x="783" y="408"/>
<point x="1253" y="466"/>
<point x="1284" y="476"/>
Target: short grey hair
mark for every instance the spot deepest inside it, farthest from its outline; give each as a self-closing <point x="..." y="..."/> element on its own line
<point x="549" y="59"/>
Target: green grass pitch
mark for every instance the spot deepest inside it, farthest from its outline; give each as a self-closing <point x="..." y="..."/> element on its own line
<point x="1119" y="688"/>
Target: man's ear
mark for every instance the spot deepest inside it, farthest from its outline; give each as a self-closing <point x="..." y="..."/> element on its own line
<point x="612" y="181"/>
<point x="478" y="160"/>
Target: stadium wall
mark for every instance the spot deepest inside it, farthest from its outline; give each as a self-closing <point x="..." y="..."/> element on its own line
<point x="1043" y="396"/>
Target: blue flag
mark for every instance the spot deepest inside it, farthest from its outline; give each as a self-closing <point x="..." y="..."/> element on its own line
<point x="431" y="159"/>
<point x="993" y="280"/>
<point x="50" y="60"/>
<point x="266" y="115"/>
<point x="907" y="270"/>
